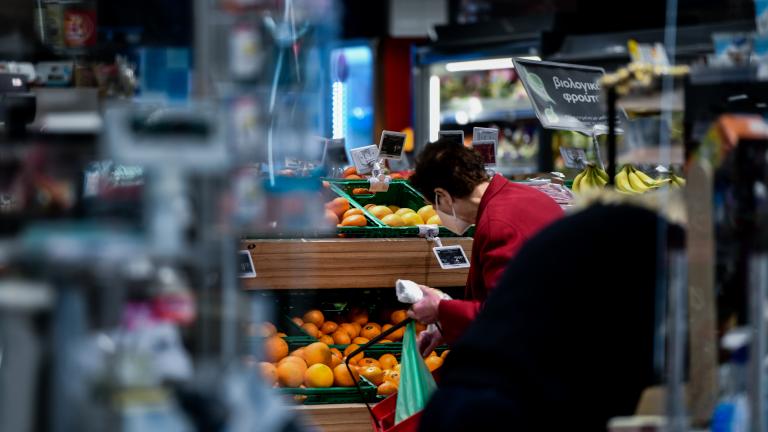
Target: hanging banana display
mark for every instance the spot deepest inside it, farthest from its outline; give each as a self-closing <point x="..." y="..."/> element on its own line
<point x="628" y="180"/>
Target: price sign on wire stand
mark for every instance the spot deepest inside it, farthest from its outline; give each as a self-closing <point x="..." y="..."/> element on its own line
<point x="364" y="158"/>
<point x="485" y="134"/>
<point x="573" y="157"/>
<point x="391" y="145"/>
<point x="245" y="264"/>
<point x="452" y="137"/>
<point x="451" y="257"/>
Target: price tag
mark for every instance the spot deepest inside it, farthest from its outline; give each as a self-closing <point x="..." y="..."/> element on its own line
<point x="391" y="145"/>
<point x="451" y="137"/>
<point x="573" y="157"/>
<point x="451" y="257"/>
<point x="488" y="150"/>
<point x="485" y="134"/>
<point x="364" y="158"/>
<point x="245" y="261"/>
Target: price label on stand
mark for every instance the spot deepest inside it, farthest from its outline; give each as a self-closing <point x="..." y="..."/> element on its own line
<point x="485" y="134"/>
<point x="364" y="158"/>
<point x="451" y="257"/>
<point x="245" y="263"/>
<point x="452" y="137"/>
<point x="565" y="96"/>
<point x="391" y="145"/>
<point x="573" y="157"/>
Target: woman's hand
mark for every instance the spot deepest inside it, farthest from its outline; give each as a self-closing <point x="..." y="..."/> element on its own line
<point x="425" y="310"/>
<point x="428" y="340"/>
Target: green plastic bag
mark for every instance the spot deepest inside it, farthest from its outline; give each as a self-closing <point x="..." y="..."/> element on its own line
<point x="416" y="382"/>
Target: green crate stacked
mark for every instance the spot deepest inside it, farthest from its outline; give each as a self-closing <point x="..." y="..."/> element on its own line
<point x="400" y="193"/>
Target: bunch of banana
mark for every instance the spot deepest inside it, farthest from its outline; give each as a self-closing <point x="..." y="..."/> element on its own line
<point x="676" y="181"/>
<point x="632" y="181"/>
<point x="591" y="178"/>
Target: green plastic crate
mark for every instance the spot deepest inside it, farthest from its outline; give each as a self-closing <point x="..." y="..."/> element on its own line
<point x="400" y="193"/>
<point x="335" y="395"/>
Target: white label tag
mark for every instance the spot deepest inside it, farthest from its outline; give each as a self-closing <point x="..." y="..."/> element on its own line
<point x="485" y="134"/>
<point x="573" y="157"/>
<point x="245" y="261"/>
<point x="452" y="137"/>
<point x="451" y="257"/>
<point x="364" y="158"/>
<point x="429" y="231"/>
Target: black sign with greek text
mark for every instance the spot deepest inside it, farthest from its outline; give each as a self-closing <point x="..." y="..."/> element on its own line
<point x="565" y="96"/>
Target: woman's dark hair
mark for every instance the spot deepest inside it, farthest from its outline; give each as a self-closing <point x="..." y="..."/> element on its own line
<point x="450" y="166"/>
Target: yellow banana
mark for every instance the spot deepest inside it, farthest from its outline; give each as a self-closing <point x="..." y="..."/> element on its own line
<point x="577" y="181"/>
<point x="636" y="183"/>
<point x="645" y="178"/>
<point x="622" y="183"/>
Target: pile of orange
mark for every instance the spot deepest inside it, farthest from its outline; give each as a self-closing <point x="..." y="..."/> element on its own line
<point x="354" y="328"/>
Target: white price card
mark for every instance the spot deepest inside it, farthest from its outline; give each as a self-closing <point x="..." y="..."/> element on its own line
<point x="485" y="134"/>
<point x="451" y="257"/>
<point x="451" y="137"/>
<point x="391" y="145"/>
<point x="364" y="158"/>
<point x="573" y="157"/>
<point x="245" y="264"/>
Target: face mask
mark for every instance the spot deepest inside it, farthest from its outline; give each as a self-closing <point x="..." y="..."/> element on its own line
<point x="453" y="223"/>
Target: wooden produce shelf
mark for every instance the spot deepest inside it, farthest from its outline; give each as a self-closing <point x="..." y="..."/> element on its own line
<point x="337" y="418"/>
<point x="349" y="263"/>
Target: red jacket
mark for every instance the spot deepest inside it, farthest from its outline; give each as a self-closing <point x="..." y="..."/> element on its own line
<point x="509" y="215"/>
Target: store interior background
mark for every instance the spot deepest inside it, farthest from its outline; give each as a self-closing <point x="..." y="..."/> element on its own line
<point x="174" y="227"/>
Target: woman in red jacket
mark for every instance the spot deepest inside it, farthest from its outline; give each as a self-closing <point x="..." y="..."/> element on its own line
<point x="506" y="215"/>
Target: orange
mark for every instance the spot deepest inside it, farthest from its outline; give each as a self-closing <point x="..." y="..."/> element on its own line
<point x="378" y="327"/>
<point x="393" y="220"/>
<point x="360" y="340"/>
<point x="395" y="335"/>
<point x="393" y="376"/>
<point x="380" y="211"/>
<point x="335" y="360"/>
<point x="373" y="374"/>
<point x="433" y="362"/>
<point x="331" y="217"/>
<point x="281" y="334"/>
<point x="434" y="220"/>
<point x="426" y="212"/>
<point x="349" y="171"/>
<point x="404" y="211"/>
<point x="339" y="205"/>
<point x="394" y="208"/>
<point x="369" y="362"/>
<point x="387" y="361"/>
<point x="420" y="327"/>
<point x="328" y="340"/>
<point x="311" y="329"/>
<point x="298" y="353"/>
<point x="336" y="352"/>
<point x="396" y="368"/>
<point x="329" y="327"/>
<point x="315" y="317"/>
<point x="298" y="321"/>
<point x="298" y="361"/>
<point x="398" y="316"/>
<point x="275" y="348"/>
<point x="318" y="376"/>
<point x="348" y="328"/>
<point x="358" y="315"/>
<point x="341" y="337"/>
<point x="369" y="206"/>
<point x="352" y="211"/>
<point x="360" y="191"/>
<point x="412" y="219"/>
<point x="370" y="331"/>
<point x="349" y="350"/>
<point x="343" y="378"/>
<point x="268" y="329"/>
<point x="385" y="341"/>
<point x="269" y="373"/>
<point x="317" y="353"/>
<point x="289" y="374"/>
<point x="357" y="328"/>
<point x="353" y="177"/>
<point x="354" y="220"/>
<point x="444" y="354"/>
<point x="386" y="388"/>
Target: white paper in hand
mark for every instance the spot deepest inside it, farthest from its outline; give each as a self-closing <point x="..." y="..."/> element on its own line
<point x="408" y="291"/>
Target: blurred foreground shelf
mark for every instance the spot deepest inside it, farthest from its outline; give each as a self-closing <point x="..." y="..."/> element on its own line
<point x="337" y="418"/>
<point x="349" y="263"/>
